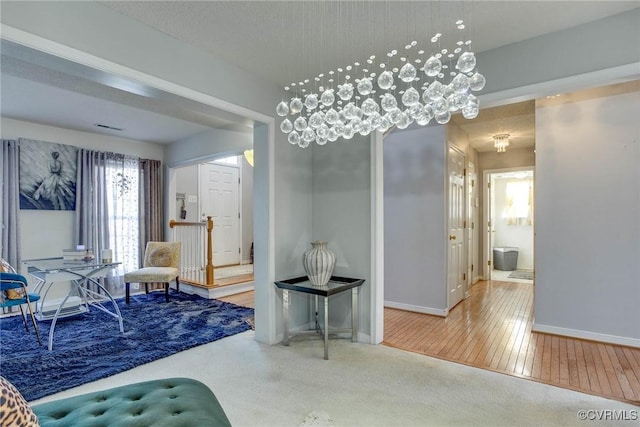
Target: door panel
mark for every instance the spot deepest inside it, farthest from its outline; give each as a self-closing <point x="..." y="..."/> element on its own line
<point x="456" y="220"/>
<point x="220" y="200"/>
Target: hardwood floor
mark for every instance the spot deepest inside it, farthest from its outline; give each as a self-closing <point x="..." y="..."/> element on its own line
<point x="492" y="330"/>
<point x="245" y="299"/>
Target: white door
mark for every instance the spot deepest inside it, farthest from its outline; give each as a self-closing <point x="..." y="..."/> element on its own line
<point x="456" y="224"/>
<point x="219" y="194"/>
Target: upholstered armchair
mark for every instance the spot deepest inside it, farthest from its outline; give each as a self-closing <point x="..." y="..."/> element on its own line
<point x="161" y="265"/>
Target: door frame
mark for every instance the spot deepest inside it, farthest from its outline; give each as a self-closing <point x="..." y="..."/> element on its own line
<point x="464" y="255"/>
<point x="487" y="252"/>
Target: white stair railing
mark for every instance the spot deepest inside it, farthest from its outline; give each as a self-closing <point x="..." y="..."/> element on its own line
<point x="196" y="262"/>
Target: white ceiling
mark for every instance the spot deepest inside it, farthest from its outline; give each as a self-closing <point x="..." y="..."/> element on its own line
<point x="279" y="41"/>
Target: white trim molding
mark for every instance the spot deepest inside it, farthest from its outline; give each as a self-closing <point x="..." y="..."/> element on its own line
<point x="417" y="308"/>
<point x="586" y="335"/>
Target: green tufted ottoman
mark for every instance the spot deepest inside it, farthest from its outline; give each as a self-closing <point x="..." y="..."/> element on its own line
<point x="167" y="402"/>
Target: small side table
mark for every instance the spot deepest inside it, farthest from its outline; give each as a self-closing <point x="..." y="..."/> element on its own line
<point x="335" y="286"/>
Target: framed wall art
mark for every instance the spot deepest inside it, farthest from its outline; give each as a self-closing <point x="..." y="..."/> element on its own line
<point x="47" y="175"/>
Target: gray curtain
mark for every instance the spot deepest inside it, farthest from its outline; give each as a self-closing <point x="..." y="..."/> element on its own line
<point x="92" y="207"/>
<point x="151" y="203"/>
<point x="10" y="202"/>
<point x="150" y="207"/>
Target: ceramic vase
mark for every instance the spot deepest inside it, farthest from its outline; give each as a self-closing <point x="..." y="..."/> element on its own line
<point x="318" y="263"/>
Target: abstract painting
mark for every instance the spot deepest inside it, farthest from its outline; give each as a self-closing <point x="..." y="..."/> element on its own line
<point x="47" y="175"/>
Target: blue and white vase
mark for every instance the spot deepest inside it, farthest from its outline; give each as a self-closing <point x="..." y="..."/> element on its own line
<point x="318" y="263"/>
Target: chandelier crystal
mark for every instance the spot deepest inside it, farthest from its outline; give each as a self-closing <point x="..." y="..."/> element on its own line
<point x="501" y="142"/>
<point x="416" y="87"/>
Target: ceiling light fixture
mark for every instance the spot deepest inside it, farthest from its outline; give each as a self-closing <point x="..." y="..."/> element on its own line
<point x="501" y="142"/>
<point x="384" y="93"/>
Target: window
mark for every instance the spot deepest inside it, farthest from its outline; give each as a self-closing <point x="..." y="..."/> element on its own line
<point x="122" y="195"/>
<point x="519" y="201"/>
<point x="233" y="160"/>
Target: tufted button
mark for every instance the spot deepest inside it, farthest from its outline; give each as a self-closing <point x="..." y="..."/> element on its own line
<point x="173" y="396"/>
<point x="176" y="413"/>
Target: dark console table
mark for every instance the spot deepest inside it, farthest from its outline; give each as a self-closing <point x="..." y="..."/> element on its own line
<point x="335" y="286"/>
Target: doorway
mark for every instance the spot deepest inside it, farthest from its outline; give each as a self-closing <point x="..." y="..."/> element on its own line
<point x="221" y="188"/>
<point x="509" y="248"/>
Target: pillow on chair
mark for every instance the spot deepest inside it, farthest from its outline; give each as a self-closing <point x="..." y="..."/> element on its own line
<point x="14" y="410"/>
<point x="17" y="293"/>
<point x="159" y="257"/>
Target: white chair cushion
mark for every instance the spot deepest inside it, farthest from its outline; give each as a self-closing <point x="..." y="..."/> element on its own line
<point x="151" y="274"/>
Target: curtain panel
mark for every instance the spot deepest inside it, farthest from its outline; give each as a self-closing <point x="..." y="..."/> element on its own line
<point x="151" y="203"/>
<point x="150" y="208"/>
<point x="107" y="209"/>
<point x="10" y="200"/>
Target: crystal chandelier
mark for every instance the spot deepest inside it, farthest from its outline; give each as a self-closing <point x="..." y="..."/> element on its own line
<point x="418" y="86"/>
<point x="501" y="142"/>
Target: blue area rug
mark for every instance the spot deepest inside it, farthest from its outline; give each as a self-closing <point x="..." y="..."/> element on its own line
<point x="90" y="346"/>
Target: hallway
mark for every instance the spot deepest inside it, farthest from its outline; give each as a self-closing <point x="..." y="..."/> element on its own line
<point x="491" y="330"/>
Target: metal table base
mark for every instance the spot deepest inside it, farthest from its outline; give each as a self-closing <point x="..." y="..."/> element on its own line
<point x="335" y="286"/>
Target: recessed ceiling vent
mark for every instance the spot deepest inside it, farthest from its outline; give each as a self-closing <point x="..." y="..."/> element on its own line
<point x="107" y="127"/>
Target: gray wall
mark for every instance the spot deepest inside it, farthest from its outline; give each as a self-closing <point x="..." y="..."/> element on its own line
<point x="588" y="216"/>
<point x="599" y="45"/>
<point x="414" y="219"/>
<point x="342" y="217"/>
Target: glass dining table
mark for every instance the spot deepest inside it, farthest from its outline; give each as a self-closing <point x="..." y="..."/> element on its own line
<point x="85" y="291"/>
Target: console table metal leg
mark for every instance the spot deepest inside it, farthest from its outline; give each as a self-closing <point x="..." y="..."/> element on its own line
<point x="285" y="315"/>
<point x="354" y="315"/>
<point x="326" y="328"/>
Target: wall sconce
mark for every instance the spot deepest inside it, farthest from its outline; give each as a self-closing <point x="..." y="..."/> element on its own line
<point x="248" y="155"/>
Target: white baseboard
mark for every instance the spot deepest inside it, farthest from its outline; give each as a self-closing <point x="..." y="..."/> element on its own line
<point x="213" y="293"/>
<point x="586" y="335"/>
<point x="417" y="308"/>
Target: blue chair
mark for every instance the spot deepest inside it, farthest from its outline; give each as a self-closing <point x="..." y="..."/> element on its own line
<point x="14" y="292"/>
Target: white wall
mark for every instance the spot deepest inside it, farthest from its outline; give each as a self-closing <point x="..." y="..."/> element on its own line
<point x="414" y="220"/>
<point x="60" y="225"/>
<point x="201" y="147"/>
<point x="588" y="217"/>
<point x="246" y="183"/>
<point x="187" y="180"/>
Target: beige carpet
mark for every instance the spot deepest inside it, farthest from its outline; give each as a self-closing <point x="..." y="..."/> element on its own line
<point x="363" y="385"/>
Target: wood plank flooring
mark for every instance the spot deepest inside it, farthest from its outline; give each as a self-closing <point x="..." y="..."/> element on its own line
<point x="245" y="299"/>
<point x="491" y="329"/>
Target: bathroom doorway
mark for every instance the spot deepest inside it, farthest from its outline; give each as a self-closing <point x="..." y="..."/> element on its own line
<point x="510" y="227"/>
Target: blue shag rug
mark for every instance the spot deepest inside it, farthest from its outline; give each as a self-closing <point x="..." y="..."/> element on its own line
<point x="90" y="346"/>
